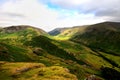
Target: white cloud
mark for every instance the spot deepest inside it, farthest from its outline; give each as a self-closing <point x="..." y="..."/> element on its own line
<point x="36" y="13"/>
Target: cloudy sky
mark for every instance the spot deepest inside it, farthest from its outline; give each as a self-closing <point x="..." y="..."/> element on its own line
<point x="50" y="14"/>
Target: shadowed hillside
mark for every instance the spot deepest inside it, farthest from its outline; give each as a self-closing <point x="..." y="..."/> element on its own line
<point x="103" y="36"/>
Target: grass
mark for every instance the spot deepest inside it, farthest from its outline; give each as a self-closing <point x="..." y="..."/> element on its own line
<point x="27" y="50"/>
<point x="45" y="43"/>
<point x="33" y="71"/>
<point x="68" y="46"/>
<point x="13" y="53"/>
<point x="103" y="36"/>
<point x="113" y="58"/>
<point x="83" y="53"/>
<point x="94" y="61"/>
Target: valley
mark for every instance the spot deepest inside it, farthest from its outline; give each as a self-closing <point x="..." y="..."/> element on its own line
<point x="74" y="53"/>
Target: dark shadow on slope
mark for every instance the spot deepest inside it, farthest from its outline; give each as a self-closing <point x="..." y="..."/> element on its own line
<point x="108" y="60"/>
<point x="45" y="43"/>
<point x="13" y="53"/>
<point x="104" y="36"/>
<point x="110" y="74"/>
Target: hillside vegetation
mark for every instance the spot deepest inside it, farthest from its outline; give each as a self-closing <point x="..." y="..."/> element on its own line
<point x="78" y="53"/>
<point x="66" y="33"/>
<point x="33" y="71"/>
<point x="103" y="36"/>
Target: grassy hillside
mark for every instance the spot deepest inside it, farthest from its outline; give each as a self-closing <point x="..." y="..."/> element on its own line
<point x="14" y="48"/>
<point x="96" y="45"/>
<point x="103" y="36"/>
<point x="20" y="33"/>
<point x="33" y="71"/>
<point x="26" y="49"/>
<point x="12" y="41"/>
<point x="13" y="53"/>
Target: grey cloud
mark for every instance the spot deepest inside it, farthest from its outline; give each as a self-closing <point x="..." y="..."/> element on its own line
<point x="7" y="18"/>
<point x="108" y="12"/>
<point x="109" y="8"/>
<point x="12" y="14"/>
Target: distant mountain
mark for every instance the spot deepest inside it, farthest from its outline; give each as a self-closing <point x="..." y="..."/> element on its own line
<point x="66" y="33"/>
<point x="103" y="36"/>
<point x="57" y="31"/>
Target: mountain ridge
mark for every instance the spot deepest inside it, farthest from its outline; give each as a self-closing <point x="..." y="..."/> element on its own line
<point x="104" y="36"/>
<point x="11" y="29"/>
<point x="60" y="30"/>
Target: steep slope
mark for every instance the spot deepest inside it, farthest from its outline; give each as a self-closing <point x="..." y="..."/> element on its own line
<point x="12" y="40"/>
<point x="103" y="36"/>
<point x="98" y="45"/>
<point x="74" y="61"/>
